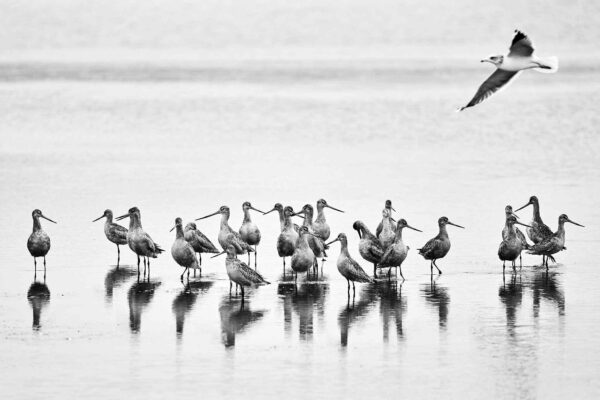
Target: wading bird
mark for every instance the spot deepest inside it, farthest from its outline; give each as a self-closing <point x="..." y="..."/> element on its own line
<point x="183" y="253"/>
<point x="508" y="211"/>
<point x="286" y="242"/>
<point x="511" y="246"/>
<point x="519" y="58"/>
<point x="138" y="240"/>
<point x="554" y="243"/>
<point x="315" y="242"/>
<point x="239" y="272"/>
<point x="388" y="230"/>
<point x="114" y="232"/>
<point x="439" y="246"/>
<point x="303" y="258"/>
<point x="538" y="231"/>
<point x="38" y="243"/>
<point x="199" y="242"/>
<point x="228" y="236"/>
<point x="387" y="206"/>
<point x="369" y="246"/>
<point x="349" y="268"/>
<point x="320" y="226"/>
<point x="396" y="253"/>
<point x="249" y="231"/>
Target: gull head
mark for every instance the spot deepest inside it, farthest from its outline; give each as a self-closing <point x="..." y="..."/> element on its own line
<point x="496" y="60"/>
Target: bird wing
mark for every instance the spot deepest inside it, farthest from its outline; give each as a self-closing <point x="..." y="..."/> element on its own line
<point x="375" y="250"/>
<point x="543" y="247"/>
<point x="358" y="274"/>
<point x="118" y="231"/>
<point x="205" y="242"/>
<point x="430" y="246"/>
<point x="491" y="85"/>
<point x="250" y="274"/>
<point x="386" y="256"/>
<point x="521" y="45"/>
<point x="379" y="229"/>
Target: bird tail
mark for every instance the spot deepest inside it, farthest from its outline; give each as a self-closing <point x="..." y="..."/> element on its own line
<point x="548" y="65"/>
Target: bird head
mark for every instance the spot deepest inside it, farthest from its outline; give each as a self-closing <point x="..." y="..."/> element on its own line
<point x="496" y="60"/>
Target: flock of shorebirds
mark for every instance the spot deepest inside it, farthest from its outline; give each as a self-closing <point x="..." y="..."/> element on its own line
<point x="306" y="243"/>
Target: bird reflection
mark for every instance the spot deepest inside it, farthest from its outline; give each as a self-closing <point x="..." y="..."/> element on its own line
<point x="38" y="296"/>
<point x="115" y="278"/>
<point x="236" y="316"/>
<point x="392" y="306"/>
<point x="184" y="301"/>
<point x="303" y="299"/>
<point x="355" y="310"/>
<point x="544" y="285"/>
<point x="437" y="296"/>
<point x="511" y="295"/>
<point x="139" y="296"/>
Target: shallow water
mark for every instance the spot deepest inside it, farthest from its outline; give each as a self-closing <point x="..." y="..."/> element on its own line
<point x="181" y="140"/>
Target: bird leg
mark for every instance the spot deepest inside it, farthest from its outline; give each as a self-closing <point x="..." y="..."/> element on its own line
<point x="353" y="290"/>
<point x="230" y="288"/>
<point x="188" y="270"/>
<point x="400" y="267"/>
<point x="431" y="267"/>
<point x="118" y="256"/>
<point x="503" y="266"/>
<point x="389" y="274"/>
<point x="34" y="268"/>
<point x="375" y="270"/>
<point x="440" y="272"/>
<point x="520" y="262"/>
<point x="255" y="255"/>
<point x="248" y="258"/>
<point x="182" y="274"/>
<point x="149" y="267"/>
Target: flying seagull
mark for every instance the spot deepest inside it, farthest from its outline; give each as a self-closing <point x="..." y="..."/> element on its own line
<point x="519" y="58"/>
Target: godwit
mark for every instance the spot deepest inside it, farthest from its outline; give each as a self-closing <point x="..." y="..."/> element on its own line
<point x="554" y="243"/>
<point x="349" y="268"/>
<point x="439" y="246"/>
<point x="249" y="231"/>
<point x="320" y="226"/>
<point x="388" y="231"/>
<point x="315" y="242"/>
<point x="508" y="211"/>
<point x="396" y="253"/>
<point x="538" y="231"/>
<point x="183" y="253"/>
<point x="303" y="258"/>
<point x="239" y="272"/>
<point x="200" y="243"/>
<point x="227" y="235"/>
<point x="138" y="240"/>
<point x="279" y="208"/>
<point x="511" y="246"/>
<point x="38" y="243"/>
<point x="387" y="206"/>
<point x="369" y="246"/>
<point x="286" y="242"/>
<point x="114" y="232"/>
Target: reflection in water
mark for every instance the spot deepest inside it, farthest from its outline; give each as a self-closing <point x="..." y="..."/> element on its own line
<point x="303" y="299"/>
<point x="437" y="296"/>
<point x="184" y="301"/>
<point x="545" y="285"/>
<point x="116" y="277"/>
<point x="139" y="296"/>
<point x="355" y="311"/>
<point x="392" y="306"/>
<point x="38" y="296"/>
<point x="235" y="317"/>
<point x="511" y="295"/>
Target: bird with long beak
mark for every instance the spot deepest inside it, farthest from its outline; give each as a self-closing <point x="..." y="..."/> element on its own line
<point x="396" y="253"/>
<point x="511" y="246"/>
<point x="239" y="272"/>
<point x="388" y="231"/>
<point x="228" y="236"/>
<point x="519" y="58"/>
<point x="369" y="246"/>
<point x="349" y="268"/>
<point x="249" y="231"/>
<point x="114" y="232"/>
<point x="287" y="239"/>
<point x="439" y="246"/>
<point x="279" y="208"/>
<point x="555" y="243"/>
<point x="315" y="242"/>
<point x="199" y="242"/>
<point x="303" y="258"/>
<point x="508" y="211"/>
<point x="320" y="226"/>
<point x="38" y="243"/>
<point x="387" y="206"/>
<point x="539" y="231"/>
<point x="183" y="253"/>
<point x="138" y="240"/>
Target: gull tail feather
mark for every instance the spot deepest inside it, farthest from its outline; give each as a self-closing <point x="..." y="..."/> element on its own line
<point x="548" y="65"/>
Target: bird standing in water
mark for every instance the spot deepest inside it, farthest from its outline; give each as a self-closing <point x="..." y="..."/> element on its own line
<point x="114" y="232"/>
<point x="396" y="253"/>
<point x="303" y="258"/>
<point x="369" y="246"/>
<point x="249" y="231"/>
<point x="538" y="231"/>
<point x="315" y="242"/>
<point x="387" y="206"/>
<point x="320" y="226"/>
<point x="228" y="236"/>
<point x="38" y="243"/>
<point x="183" y="253"/>
<point x="554" y="243"/>
<point x="388" y="230"/>
<point x="199" y="242"/>
<point x="349" y="268"/>
<point x="287" y="239"/>
<point x="138" y="240"/>
<point x="511" y="246"/>
<point x="439" y="246"/>
<point x="239" y="272"/>
<point x="508" y="211"/>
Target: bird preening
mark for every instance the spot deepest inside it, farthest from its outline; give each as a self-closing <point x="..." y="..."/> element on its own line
<point x="519" y="58"/>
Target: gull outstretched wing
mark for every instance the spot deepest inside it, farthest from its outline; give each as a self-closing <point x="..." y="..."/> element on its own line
<point x="491" y="85"/>
<point x="521" y="45"/>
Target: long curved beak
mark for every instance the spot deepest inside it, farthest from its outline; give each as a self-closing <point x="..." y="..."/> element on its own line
<point x="122" y="217"/>
<point x="100" y="217"/>
<point x="515" y="215"/>
<point x="298" y="214"/>
<point x="209" y="215"/>
<point x="523" y="207"/>
<point x="453" y="224"/>
<point x="393" y="209"/>
<point x="171" y="230"/>
<point x="393" y="220"/>
<point x="270" y="211"/>
<point x="486" y="60"/>
<point x="418" y="230"/>
<point x="256" y="209"/>
<point x="48" y="219"/>
<point x="333" y="241"/>
<point x="220" y="254"/>
<point x="575" y="223"/>
<point x="517" y="222"/>
<point x="333" y="208"/>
